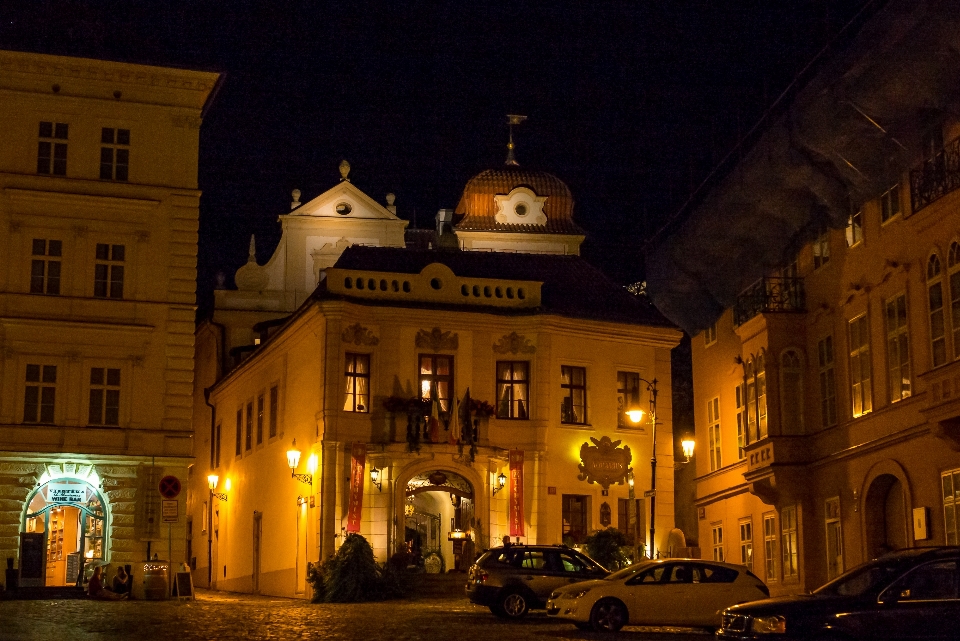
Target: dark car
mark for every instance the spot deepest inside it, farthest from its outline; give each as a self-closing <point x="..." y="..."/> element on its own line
<point x="911" y="594"/>
<point x="512" y="580"/>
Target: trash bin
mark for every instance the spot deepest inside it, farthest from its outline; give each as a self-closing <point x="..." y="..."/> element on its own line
<point x="155" y="575"/>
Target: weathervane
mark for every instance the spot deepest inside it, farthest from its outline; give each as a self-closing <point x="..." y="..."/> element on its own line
<point x="512" y="119"/>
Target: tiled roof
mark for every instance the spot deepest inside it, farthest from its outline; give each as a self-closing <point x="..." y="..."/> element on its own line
<point x="571" y="286"/>
<point x="478" y="208"/>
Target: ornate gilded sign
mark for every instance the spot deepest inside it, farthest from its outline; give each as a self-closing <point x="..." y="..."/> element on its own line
<point x="437" y="340"/>
<point x="604" y="462"/>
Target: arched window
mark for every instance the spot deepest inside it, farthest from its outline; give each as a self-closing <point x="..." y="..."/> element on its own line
<point x="938" y="340"/>
<point x="791" y="392"/>
<point x="953" y="269"/>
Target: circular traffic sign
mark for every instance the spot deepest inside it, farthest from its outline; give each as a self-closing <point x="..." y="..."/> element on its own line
<point x="169" y="487"/>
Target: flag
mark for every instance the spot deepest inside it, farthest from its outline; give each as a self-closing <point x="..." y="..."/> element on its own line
<point x="433" y="423"/>
<point x="464" y="425"/>
<point x="453" y="424"/>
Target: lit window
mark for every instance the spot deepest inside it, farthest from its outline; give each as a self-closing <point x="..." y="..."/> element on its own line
<point x="861" y="393"/>
<point x="746" y="543"/>
<point x="436" y="377"/>
<point x="357" y="383"/>
<point x="741" y="423"/>
<point x="513" y="400"/>
<point x="628" y="396"/>
<point x="114" y="154"/>
<point x="790" y="543"/>
<point x="716" y="531"/>
<point x="104" y="396"/>
<point x="770" y="546"/>
<point x="52" y="148"/>
<point x="108" y="271"/>
<point x="573" y="395"/>
<point x="898" y="350"/>
<point x="854" y="230"/>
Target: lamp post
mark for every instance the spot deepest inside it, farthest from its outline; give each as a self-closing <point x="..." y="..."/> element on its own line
<point x="635" y="414"/>
<point x="212" y="481"/>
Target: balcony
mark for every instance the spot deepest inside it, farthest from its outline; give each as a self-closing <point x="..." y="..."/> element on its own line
<point x="936" y="177"/>
<point x="772" y="294"/>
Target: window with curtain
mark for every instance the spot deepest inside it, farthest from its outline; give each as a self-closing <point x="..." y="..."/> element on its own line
<point x="755" y="386"/>
<point x="436" y="376"/>
<point x="770" y="546"/>
<point x="573" y="395"/>
<point x="898" y="350"/>
<point x="860" y="379"/>
<point x="357" y="383"/>
<point x="741" y="425"/>
<point x="628" y="395"/>
<point x="713" y="429"/>
<point x="938" y="340"/>
<point x="513" y="389"/>
<point x="790" y="542"/>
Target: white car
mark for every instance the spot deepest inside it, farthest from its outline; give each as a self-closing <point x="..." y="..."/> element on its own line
<point x="668" y="592"/>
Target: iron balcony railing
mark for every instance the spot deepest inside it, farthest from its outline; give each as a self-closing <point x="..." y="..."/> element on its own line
<point x="771" y="294"/>
<point x="936" y="177"/>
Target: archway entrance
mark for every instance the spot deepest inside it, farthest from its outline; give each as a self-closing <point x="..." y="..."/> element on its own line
<point x="885" y="516"/>
<point x="65" y="519"/>
<point x="439" y="519"/>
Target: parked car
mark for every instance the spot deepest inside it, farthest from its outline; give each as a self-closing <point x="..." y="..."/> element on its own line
<point x="911" y="594"/>
<point x="675" y="592"/>
<point x="512" y="580"/>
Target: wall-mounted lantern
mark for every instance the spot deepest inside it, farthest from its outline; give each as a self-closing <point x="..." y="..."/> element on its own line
<point x="501" y="483"/>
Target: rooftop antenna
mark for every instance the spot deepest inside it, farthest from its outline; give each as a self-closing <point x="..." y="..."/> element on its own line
<point x="512" y="119"/>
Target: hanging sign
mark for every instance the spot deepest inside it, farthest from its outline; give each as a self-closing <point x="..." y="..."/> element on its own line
<point x="515" y="506"/>
<point x="355" y="510"/>
<point x="66" y="493"/>
<point x="604" y="463"/>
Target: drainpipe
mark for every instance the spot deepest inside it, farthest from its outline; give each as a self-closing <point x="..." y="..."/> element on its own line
<point x="213" y="432"/>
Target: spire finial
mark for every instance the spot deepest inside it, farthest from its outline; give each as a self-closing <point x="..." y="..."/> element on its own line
<point x="252" y="254"/>
<point x="512" y="119"/>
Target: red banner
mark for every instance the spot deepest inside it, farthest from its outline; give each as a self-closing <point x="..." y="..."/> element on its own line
<point x="355" y="511"/>
<point x="516" y="493"/>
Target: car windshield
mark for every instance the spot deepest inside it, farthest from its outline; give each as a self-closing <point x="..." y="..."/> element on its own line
<point x="865" y="579"/>
<point x="629" y="571"/>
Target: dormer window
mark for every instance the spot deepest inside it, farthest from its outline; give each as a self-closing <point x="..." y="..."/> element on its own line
<point x="520" y="207"/>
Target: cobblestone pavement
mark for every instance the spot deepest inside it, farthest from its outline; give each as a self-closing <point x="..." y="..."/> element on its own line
<point x="216" y="616"/>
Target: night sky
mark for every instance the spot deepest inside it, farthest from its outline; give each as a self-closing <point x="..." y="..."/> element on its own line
<point x="631" y="103"/>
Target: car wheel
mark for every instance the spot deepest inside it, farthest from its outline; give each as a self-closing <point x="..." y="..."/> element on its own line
<point x="514" y="605"/>
<point x="608" y="615"/>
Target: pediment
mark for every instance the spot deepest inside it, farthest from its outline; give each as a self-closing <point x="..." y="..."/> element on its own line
<point x="344" y="201"/>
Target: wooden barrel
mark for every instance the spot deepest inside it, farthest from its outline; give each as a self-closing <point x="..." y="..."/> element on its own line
<point x="155" y="582"/>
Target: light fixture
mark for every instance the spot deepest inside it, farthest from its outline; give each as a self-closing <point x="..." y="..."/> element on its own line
<point x="630" y="481"/>
<point x="501" y="483"/>
<point x="634" y="413"/>
<point x="687" y="443"/>
<point x="293" y="460"/>
<point x="409" y="509"/>
<point x="212" y="481"/>
<point x="376" y="477"/>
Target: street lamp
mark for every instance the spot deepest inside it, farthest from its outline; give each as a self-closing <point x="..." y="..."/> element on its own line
<point x="376" y="475"/>
<point x="687" y="443"/>
<point x="293" y="460"/>
<point x="635" y="414"/>
<point x="212" y="481"/>
<point x="501" y="482"/>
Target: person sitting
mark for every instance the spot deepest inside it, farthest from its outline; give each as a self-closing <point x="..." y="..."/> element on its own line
<point x="120" y="581"/>
<point x="96" y="590"/>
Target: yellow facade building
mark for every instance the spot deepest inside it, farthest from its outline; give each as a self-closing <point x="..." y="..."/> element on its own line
<point x="819" y="277"/>
<point x="98" y="221"/>
<point x="549" y="351"/>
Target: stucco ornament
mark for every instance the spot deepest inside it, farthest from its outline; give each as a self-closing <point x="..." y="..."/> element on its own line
<point x="604" y="462"/>
<point x="359" y="335"/>
<point x="513" y="343"/>
<point x="437" y="340"/>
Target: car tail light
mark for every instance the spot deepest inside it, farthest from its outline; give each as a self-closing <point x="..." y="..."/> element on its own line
<point x="482" y="577"/>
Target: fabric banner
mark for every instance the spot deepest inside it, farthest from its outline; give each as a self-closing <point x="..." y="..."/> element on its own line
<point x="516" y="493"/>
<point x="355" y="510"/>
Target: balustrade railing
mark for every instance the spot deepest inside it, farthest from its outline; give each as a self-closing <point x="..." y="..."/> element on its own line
<point x="936" y="177"/>
<point x="770" y="294"/>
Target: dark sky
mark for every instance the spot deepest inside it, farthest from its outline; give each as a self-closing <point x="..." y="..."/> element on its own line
<point x="630" y="102"/>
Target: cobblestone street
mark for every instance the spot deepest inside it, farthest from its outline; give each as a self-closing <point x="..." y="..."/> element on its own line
<point x="216" y="616"/>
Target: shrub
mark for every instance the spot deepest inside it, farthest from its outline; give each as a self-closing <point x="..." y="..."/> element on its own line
<point x="604" y="547"/>
<point x="353" y="575"/>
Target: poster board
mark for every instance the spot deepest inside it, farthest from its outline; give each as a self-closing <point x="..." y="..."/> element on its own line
<point x="183" y="586"/>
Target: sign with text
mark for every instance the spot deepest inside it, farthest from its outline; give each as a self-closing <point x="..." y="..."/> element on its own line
<point x="515" y="507"/>
<point x="170" y="511"/>
<point x="66" y="493"/>
<point x="604" y="462"/>
<point x="355" y="509"/>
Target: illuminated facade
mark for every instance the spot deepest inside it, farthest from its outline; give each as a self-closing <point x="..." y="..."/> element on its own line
<point x="98" y="220"/>
<point x="826" y="391"/>
<point x="549" y="350"/>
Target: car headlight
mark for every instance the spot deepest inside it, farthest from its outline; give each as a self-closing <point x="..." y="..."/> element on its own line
<point x="770" y="625"/>
<point x="576" y="594"/>
<point x="555" y="595"/>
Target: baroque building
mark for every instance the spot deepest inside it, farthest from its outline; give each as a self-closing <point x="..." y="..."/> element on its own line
<point x="98" y="221"/>
<point x="426" y="395"/>
<point x="818" y="273"/>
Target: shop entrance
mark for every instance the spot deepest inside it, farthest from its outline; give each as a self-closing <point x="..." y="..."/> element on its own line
<point x="69" y="514"/>
<point x="886" y="516"/>
<point x="439" y="520"/>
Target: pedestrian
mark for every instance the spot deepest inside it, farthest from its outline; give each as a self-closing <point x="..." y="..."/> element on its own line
<point x="120" y="581"/>
<point x="506" y="540"/>
<point x="96" y="590"/>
